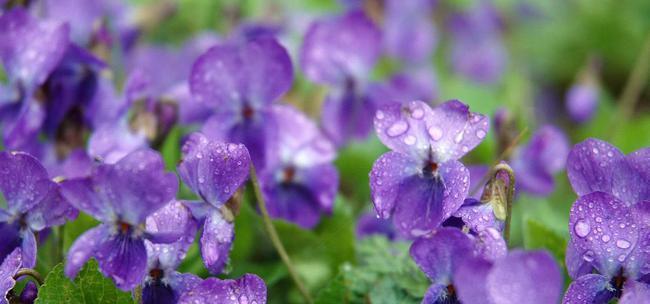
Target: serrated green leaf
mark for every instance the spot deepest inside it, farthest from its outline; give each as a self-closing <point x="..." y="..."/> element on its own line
<point x="89" y="287"/>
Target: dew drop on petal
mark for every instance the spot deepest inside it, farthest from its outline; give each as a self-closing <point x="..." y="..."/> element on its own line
<point x="397" y="129"/>
<point x="435" y="133"/>
<point x="417" y="113"/>
<point x="410" y="140"/>
<point x="582" y="228"/>
<point x="605" y="238"/>
<point x="623" y="244"/>
<point x="379" y="115"/>
<point x="480" y="134"/>
<point x="588" y="256"/>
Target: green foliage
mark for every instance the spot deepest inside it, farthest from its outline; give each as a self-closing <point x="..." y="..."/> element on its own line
<point x="74" y="229"/>
<point x="538" y="236"/>
<point x="171" y="148"/>
<point x="89" y="287"/>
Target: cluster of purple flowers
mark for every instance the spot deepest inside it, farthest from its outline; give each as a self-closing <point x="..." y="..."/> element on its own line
<point x="77" y="142"/>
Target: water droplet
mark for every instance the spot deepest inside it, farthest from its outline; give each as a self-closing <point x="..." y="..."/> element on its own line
<point x="588" y="256"/>
<point x="417" y="113"/>
<point x="480" y="134"/>
<point x="582" y="228"/>
<point x="623" y="244"/>
<point x="435" y="133"/>
<point x="379" y="115"/>
<point x="397" y="129"/>
<point x="605" y="238"/>
<point x="410" y="140"/>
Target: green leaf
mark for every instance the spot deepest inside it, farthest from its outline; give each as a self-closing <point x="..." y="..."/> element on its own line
<point x="170" y="150"/>
<point x="538" y="236"/>
<point x="89" y="287"/>
<point x="73" y="229"/>
<point x="333" y="293"/>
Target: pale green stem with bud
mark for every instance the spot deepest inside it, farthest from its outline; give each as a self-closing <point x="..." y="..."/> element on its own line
<point x="275" y="239"/>
<point x="503" y="167"/>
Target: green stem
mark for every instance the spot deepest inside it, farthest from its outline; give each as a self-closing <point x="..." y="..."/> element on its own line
<point x="30" y="272"/>
<point x="275" y="239"/>
<point x="511" y="195"/>
<point x="635" y="83"/>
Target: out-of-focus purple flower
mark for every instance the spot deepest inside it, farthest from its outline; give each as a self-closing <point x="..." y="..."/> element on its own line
<point x="247" y="289"/>
<point x="30" y="50"/>
<point x="520" y="277"/>
<point x="340" y="52"/>
<point x="163" y="284"/>
<point x="582" y="101"/>
<point x="409" y="32"/>
<point x="608" y="254"/>
<point x="421" y="182"/>
<point x="477" y="50"/>
<point x="29" y="293"/>
<point x="369" y="224"/>
<point x="239" y="81"/>
<point x="214" y="171"/>
<point x="417" y="85"/>
<point x="8" y="269"/>
<point x="121" y="196"/>
<point x="33" y="204"/>
<point x="537" y="162"/>
<point x="299" y="181"/>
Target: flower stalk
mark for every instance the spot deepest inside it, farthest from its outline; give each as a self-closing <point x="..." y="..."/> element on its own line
<point x="31" y="273"/>
<point x="503" y="167"/>
<point x="275" y="239"/>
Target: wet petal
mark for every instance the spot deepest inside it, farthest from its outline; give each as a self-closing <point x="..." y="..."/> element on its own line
<point x="8" y="269"/>
<point x="403" y="128"/>
<point x="184" y="282"/>
<point x="84" y="248"/>
<point x="635" y="293"/>
<point x="525" y="277"/>
<point x="602" y="231"/>
<point x="80" y="193"/>
<point x="436" y="293"/>
<point x="388" y="172"/>
<point x="490" y="244"/>
<point x="340" y="47"/>
<point x="470" y="280"/>
<point x="247" y="289"/>
<point x="637" y="264"/>
<point x="216" y="242"/>
<point x="423" y="203"/>
<point x="590" y="288"/>
<point x="124" y="259"/>
<point x="137" y="185"/>
<point x="52" y="211"/>
<point x="10" y="239"/>
<point x="595" y="165"/>
<point x="639" y="160"/>
<point x="439" y="255"/>
<point x="175" y="218"/>
<point x="478" y="216"/>
<point x="214" y="170"/>
<point x="28" y="248"/>
<point x="255" y="73"/>
<point x="24" y="182"/>
<point x="454" y="130"/>
<point x="347" y="116"/>
<point x="112" y="142"/>
<point x="576" y="264"/>
<point x="29" y="48"/>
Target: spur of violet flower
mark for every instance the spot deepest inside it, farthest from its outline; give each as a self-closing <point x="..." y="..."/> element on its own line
<point x="8" y="269"/>
<point x="538" y="161"/>
<point x="608" y="255"/>
<point x="214" y="171"/>
<point x="520" y="277"/>
<point x="340" y="52"/>
<point x="249" y="289"/>
<point x="421" y="182"/>
<point x="299" y="181"/>
<point x="163" y="284"/>
<point x="121" y="196"/>
<point x="30" y="50"/>
<point x="33" y="204"/>
<point x="239" y="81"/>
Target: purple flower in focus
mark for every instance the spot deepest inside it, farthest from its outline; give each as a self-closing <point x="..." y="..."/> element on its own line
<point x="247" y="289"/>
<point x="8" y="269"/>
<point x="163" y="284"/>
<point x="520" y="277"/>
<point x="214" y="171"/>
<point x="33" y="204"/>
<point x="477" y="50"/>
<point x="340" y="52"/>
<point x="537" y="162"/>
<point x="299" y="181"/>
<point x="421" y="182"/>
<point x="121" y="196"/>
<point x="582" y="101"/>
<point x="409" y="32"/>
<point x="30" y="50"/>
<point x="239" y="81"/>
<point x="609" y="251"/>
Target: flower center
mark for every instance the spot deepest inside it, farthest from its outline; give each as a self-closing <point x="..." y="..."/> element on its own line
<point x="430" y="169"/>
<point x="451" y="294"/>
<point x="288" y="175"/>
<point x="125" y="228"/>
<point x="617" y="282"/>
<point x="156" y="274"/>
<point x="247" y="112"/>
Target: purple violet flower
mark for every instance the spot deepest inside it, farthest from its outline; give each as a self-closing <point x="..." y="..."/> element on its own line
<point x="416" y="85"/>
<point x="409" y="32"/>
<point x="582" y="101"/>
<point x="340" y="52"/>
<point x="537" y="162"/>
<point x="299" y="181"/>
<point x="239" y="81"/>
<point x="121" y="196"/>
<point x="247" y="289"/>
<point x="163" y="284"/>
<point x="520" y="277"/>
<point x="214" y="171"/>
<point x="608" y="255"/>
<point x="421" y="182"/>
<point x="33" y="204"/>
<point x="8" y="269"/>
<point x="368" y="224"/>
